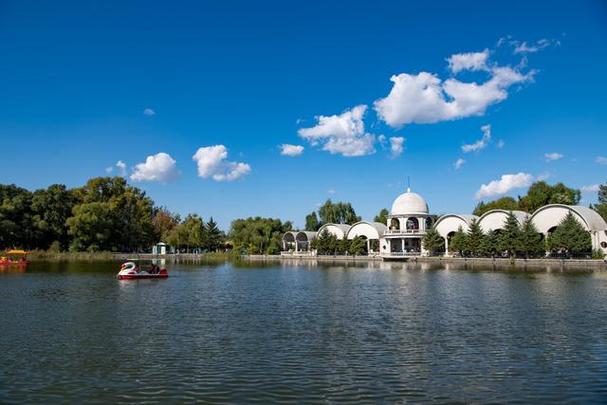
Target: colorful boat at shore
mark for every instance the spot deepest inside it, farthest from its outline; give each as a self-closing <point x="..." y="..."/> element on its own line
<point x="14" y="257"/>
<point x="130" y="270"/>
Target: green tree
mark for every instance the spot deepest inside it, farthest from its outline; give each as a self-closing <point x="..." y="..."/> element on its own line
<point x="92" y="227"/>
<point x="601" y="207"/>
<point x="541" y="193"/>
<point x="358" y="246"/>
<point x="164" y="222"/>
<point x="51" y="208"/>
<point x="16" y="218"/>
<point x="258" y="235"/>
<point x="312" y="223"/>
<point x="532" y="242"/>
<point x="382" y="216"/>
<point x="570" y="238"/>
<point x="475" y="237"/>
<point x="433" y="242"/>
<point x="326" y="243"/>
<point x="337" y="213"/>
<point x="504" y="203"/>
<point x="491" y="243"/>
<point x="510" y="237"/>
<point x="459" y="242"/>
<point x="212" y="237"/>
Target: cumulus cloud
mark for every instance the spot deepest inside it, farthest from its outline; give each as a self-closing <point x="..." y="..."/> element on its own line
<point x="291" y="150"/>
<point x="149" y="112"/>
<point x="212" y="162"/>
<point x="121" y="167"/>
<point x="505" y="184"/>
<point x="341" y="134"/>
<point x="109" y="169"/>
<point x="159" y="167"/>
<point x="602" y="160"/>
<point x="550" y="157"/>
<point x="424" y="98"/>
<point x="593" y="188"/>
<point x="481" y="143"/>
<point x="458" y="163"/>
<point x="468" y="61"/>
<point x="396" y="146"/>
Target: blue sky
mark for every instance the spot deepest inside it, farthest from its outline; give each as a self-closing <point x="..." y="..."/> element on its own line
<point x="240" y="79"/>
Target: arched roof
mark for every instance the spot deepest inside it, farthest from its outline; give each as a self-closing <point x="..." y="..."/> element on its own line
<point x="495" y="219"/>
<point x="409" y="203"/>
<point x="342" y="229"/>
<point x="451" y="222"/>
<point x="371" y="230"/>
<point x="307" y="235"/>
<point x="591" y="219"/>
<point x="293" y="234"/>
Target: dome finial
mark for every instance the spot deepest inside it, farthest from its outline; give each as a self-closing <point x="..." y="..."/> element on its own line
<point x="408" y="184"/>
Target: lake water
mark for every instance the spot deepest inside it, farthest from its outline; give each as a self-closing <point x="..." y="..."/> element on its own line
<point x="309" y="333"/>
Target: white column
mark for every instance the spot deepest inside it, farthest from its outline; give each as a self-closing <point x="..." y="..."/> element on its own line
<point x="402" y="243"/>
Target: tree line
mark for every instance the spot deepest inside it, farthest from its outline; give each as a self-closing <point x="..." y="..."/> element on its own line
<point x="569" y="239"/>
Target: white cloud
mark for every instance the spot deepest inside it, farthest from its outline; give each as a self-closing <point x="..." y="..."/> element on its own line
<point x="396" y="146"/>
<point x="459" y="163"/>
<point x="121" y="167"/>
<point x="291" y="150"/>
<point x="550" y="157"/>
<point x="424" y="98"/>
<point x="149" y="112"/>
<point x="109" y="169"/>
<point x="602" y="160"/>
<point x="468" y="61"/>
<point x="506" y="183"/>
<point x="159" y="167"/>
<point x="593" y="188"/>
<point x="212" y="162"/>
<point x="500" y="144"/>
<point x="532" y="47"/>
<point x="341" y="134"/>
<point x="331" y="191"/>
<point x="481" y="143"/>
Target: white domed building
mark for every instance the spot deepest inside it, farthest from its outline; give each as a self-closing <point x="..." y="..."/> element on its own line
<point x="407" y="224"/>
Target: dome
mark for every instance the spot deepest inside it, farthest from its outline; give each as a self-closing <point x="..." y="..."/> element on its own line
<point x="409" y="203"/>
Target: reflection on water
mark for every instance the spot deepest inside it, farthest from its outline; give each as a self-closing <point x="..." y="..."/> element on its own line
<point x="272" y="332"/>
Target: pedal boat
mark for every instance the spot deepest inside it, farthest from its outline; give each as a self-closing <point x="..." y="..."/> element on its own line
<point x="131" y="271"/>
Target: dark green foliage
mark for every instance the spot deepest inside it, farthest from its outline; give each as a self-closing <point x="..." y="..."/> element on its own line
<point x="490" y="244"/>
<point x="258" y="235"/>
<point x="504" y="203"/>
<point x="570" y="238"/>
<point x="312" y="223"/>
<point x="459" y="242"/>
<point x="213" y="238"/>
<point x="510" y="236"/>
<point x="358" y="246"/>
<point x="601" y="207"/>
<point x="474" y="239"/>
<point x="541" y="193"/>
<point x="164" y="222"/>
<point x="382" y="216"/>
<point x="433" y="242"/>
<point x="326" y="243"/>
<point x="337" y="213"/>
<point x="532" y="242"/>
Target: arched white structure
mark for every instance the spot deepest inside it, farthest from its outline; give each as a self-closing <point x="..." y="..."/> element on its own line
<point x="288" y="241"/>
<point x="550" y="216"/>
<point x="371" y="231"/>
<point x="339" y="230"/>
<point x="406" y="225"/>
<point x="303" y="239"/>
<point x="496" y="219"/>
<point x="448" y="224"/>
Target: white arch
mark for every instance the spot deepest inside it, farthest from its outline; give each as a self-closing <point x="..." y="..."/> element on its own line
<point x="496" y="219"/>
<point x="339" y="230"/>
<point x="452" y="222"/>
<point x="370" y="230"/>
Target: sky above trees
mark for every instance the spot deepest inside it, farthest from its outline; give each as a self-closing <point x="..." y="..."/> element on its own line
<point x="237" y="109"/>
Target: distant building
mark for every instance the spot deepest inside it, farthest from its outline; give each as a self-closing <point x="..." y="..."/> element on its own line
<point x="410" y="219"/>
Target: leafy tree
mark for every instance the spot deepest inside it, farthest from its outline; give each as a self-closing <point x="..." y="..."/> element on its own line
<point x="510" y="237"/>
<point x="358" y="246"/>
<point x="505" y="203"/>
<point x="92" y="227"/>
<point x="312" y="223"/>
<point x="326" y="243"/>
<point x="433" y="242"/>
<point x="532" y="242"/>
<point x="475" y="237"/>
<point x="570" y="238"/>
<point x="337" y="213"/>
<point x="459" y="242"/>
<point x="164" y="222"/>
<point x="541" y="193"/>
<point x="16" y="222"/>
<point x="382" y="216"/>
<point x="601" y="207"/>
<point x="258" y="235"/>
<point x="50" y="209"/>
